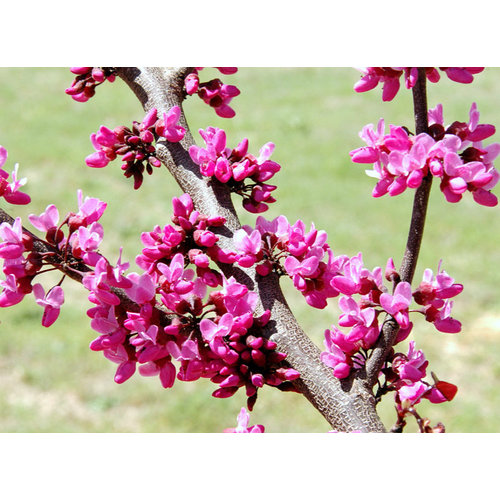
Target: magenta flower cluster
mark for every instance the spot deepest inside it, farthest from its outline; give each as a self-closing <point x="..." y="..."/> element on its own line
<point x="86" y="80"/>
<point x="292" y="250"/>
<point x="306" y="257"/>
<point x="215" y="337"/>
<point x="390" y="78"/>
<point x="240" y="170"/>
<point x="454" y="154"/>
<point x="214" y="93"/>
<point x="405" y="373"/>
<point x="162" y="317"/>
<point x="9" y="191"/>
<point x="135" y="145"/>
<point x="348" y="351"/>
<point x="23" y="262"/>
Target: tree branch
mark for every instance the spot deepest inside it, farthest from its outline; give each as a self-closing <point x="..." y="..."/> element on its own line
<point x="414" y="241"/>
<point x="346" y="405"/>
<point x="77" y="272"/>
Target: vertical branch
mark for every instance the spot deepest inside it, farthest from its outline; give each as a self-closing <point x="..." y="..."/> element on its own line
<point x="421" y="200"/>
<point x="409" y="263"/>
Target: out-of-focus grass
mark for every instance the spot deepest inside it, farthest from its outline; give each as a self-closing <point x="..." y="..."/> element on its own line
<point x="49" y="379"/>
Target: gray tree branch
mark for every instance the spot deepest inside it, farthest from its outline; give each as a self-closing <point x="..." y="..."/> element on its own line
<point x="347" y="405"/>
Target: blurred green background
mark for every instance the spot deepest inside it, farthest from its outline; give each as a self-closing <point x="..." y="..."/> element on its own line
<point x="49" y="379"/>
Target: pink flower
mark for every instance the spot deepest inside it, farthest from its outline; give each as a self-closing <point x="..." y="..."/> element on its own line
<point x="237" y="298"/>
<point x="168" y="126"/>
<point x="183" y="206"/>
<point x="187" y="351"/>
<point x="143" y="288"/>
<point x="47" y="220"/>
<point x="164" y="368"/>
<point x="355" y="279"/>
<point x="89" y="209"/>
<point x="433" y="290"/>
<point x="211" y="330"/>
<point x="412" y="392"/>
<point x="99" y="283"/>
<point x="87" y="79"/>
<point x="85" y="242"/>
<point x="10" y="191"/>
<point x="336" y="359"/>
<point x="249" y="243"/>
<point x="103" y="319"/>
<point x="397" y="305"/>
<point x="300" y="270"/>
<point x="443" y="321"/>
<point x="51" y="302"/>
<point x="389" y="77"/>
<point x="410" y="368"/>
<point x="174" y="277"/>
<point x="13" y="245"/>
<point x="214" y="92"/>
<point x="242" y="427"/>
<point x="461" y="75"/>
<point x="11" y="294"/>
<point x="126" y="366"/>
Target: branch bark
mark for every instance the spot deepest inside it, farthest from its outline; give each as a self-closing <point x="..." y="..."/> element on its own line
<point x="347" y="405"/>
<point x="414" y="241"/>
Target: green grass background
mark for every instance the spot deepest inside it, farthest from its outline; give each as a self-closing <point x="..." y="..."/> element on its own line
<point x="49" y="379"/>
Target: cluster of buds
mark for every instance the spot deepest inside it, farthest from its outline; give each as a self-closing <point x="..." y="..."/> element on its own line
<point x="389" y="77"/>
<point x="160" y="317"/>
<point x="214" y="93"/>
<point x="404" y="374"/>
<point x="175" y="319"/>
<point x="454" y="154"/>
<point x="250" y="360"/>
<point x="24" y="259"/>
<point x="191" y="235"/>
<point x="304" y="256"/>
<point x="86" y="80"/>
<point x="136" y="145"/>
<point x="241" y="171"/>
<point x="347" y="351"/>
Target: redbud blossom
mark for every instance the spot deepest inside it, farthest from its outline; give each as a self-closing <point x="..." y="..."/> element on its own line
<point x="87" y="79"/>
<point x="455" y="155"/>
<point x="214" y="93"/>
<point x="239" y="169"/>
<point x="10" y="191"/>
<point x="243" y="421"/>
<point x="136" y="145"/>
<point x="389" y="77"/>
<point x="51" y="302"/>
